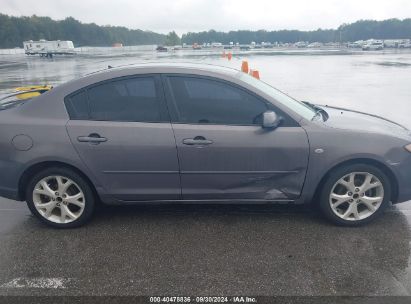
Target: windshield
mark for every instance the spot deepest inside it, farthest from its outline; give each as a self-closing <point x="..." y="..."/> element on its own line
<point x="297" y="106"/>
<point x="10" y="101"/>
<point x="20" y="95"/>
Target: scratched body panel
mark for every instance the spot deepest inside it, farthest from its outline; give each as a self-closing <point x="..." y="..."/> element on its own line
<point x="243" y="162"/>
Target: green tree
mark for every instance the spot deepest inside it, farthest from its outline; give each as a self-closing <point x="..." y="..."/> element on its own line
<point x="360" y="30"/>
<point x="173" y="39"/>
<point x="15" y="30"/>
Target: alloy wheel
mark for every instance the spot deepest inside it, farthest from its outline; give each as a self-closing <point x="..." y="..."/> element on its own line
<point x="356" y="196"/>
<point x="59" y="199"/>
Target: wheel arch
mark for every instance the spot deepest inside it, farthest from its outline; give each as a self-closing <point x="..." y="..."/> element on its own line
<point x="38" y="167"/>
<point x="384" y="168"/>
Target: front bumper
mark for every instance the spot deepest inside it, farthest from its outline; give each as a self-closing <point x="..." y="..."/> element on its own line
<point x="402" y="172"/>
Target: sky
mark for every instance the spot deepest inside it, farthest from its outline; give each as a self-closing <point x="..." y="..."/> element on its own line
<point x="222" y="15"/>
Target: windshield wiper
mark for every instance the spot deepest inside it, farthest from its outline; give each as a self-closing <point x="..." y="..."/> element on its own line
<point x="318" y="111"/>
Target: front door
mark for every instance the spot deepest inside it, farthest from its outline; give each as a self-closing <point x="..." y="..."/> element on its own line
<point x="224" y="152"/>
<point x="122" y="132"/>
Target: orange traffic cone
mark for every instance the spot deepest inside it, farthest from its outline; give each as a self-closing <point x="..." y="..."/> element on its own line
<point x="244" y="66"/>
<point x="255" y="74"/>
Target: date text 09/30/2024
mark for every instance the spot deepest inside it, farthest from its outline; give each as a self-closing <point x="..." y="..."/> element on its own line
<point x="234" y="299"/>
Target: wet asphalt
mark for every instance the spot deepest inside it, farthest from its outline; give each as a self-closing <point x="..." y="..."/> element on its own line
<point x="205" y="250"/>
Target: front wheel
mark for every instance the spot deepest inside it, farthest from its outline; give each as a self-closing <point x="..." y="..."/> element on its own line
<point x="354" y="195"/>
<point x="60" y="197"/>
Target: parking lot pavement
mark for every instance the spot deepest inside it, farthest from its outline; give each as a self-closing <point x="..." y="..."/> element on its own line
<point x="204" y="250"/>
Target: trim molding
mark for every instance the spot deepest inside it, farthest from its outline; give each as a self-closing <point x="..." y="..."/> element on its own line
<point x="205" y="201"/>
<point x="196" y="172"/>
<point x="140" y="172"/>
<point x="238" y="172"/>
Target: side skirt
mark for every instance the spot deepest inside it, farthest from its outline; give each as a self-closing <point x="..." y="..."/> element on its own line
<point x="226" y="202"/>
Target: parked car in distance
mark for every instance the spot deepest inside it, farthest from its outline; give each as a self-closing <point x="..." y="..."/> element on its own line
<point x="164" y="133"/>
<point x="161" y="49"/>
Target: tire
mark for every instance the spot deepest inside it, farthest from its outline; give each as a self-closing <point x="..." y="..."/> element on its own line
<point x="347" y="204"/>
<point x="71" y="208"/>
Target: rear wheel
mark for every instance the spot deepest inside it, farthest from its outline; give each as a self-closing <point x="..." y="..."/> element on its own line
<point x="354" y="195"/>
<point x="60" y="198"/>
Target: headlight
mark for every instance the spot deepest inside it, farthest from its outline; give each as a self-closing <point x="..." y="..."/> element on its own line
<point x="408" y="148"/>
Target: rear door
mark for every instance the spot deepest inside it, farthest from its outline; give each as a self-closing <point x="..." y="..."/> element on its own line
<point x="122" y="132"/>
<point x="224" y="152"/>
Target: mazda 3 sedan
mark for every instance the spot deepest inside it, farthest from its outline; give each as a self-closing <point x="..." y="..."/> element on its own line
<point x="164" y="133"/>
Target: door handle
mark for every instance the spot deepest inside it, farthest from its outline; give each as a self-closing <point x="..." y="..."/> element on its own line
<point x="92" y="138"/>
<point x="197" y="141"/>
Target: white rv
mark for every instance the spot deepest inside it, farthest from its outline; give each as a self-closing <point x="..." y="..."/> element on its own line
<point x="48" y="48"/>
<point x="373" y="45"/>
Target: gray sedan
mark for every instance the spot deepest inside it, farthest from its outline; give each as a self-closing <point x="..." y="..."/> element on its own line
<point x="164" y="133"/>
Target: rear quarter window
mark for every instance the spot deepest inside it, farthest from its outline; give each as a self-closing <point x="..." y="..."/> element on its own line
<point x="77" y="106"/>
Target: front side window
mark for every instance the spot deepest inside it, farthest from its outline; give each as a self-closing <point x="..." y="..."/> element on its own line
<point x="207" y="101"/>
<point x="294" y="105"/>
<point x="134" y="100"/>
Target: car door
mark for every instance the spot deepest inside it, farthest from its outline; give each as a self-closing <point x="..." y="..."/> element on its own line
<point x="224" y="152"/>
<point x="122" y="132"/>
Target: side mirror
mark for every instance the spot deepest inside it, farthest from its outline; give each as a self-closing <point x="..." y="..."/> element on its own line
<point x="271" y="120"/>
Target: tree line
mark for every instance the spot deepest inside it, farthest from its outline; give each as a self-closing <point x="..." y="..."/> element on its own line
<point x="360" y="30"/>
<point x="15" y="30"/>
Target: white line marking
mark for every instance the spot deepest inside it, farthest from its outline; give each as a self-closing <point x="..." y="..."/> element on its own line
<point x="44" y="283"/>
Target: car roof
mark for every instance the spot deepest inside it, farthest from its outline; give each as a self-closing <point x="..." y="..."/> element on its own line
<point x="147" y="68"/>
<point x="169" y="67"/>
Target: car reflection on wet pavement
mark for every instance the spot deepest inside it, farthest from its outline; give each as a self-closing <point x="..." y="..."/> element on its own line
<point x="205" y="249"/>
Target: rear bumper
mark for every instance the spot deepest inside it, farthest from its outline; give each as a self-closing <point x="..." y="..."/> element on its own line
<point x="12" y="194"/>
<point x="9" y="180"/>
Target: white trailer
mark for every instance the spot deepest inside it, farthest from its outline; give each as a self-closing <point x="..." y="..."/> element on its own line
<point x="373" y="45"/>
<point x="46" y="48"/>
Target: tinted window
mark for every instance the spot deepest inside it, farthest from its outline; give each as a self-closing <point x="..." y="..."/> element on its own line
<point x="77" y="106"/>
<point x="295" y="105"/>
<point x="125" y="100"/>
<point x="200" y="100"/>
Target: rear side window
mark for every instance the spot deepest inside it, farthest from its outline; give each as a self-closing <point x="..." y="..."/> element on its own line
<point x="77" y="106"/>
<point x="206" y="101"/>
<point x="134" y="100"/>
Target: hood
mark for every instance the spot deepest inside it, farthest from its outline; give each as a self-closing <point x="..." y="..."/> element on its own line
<point x="346" y="119"/>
